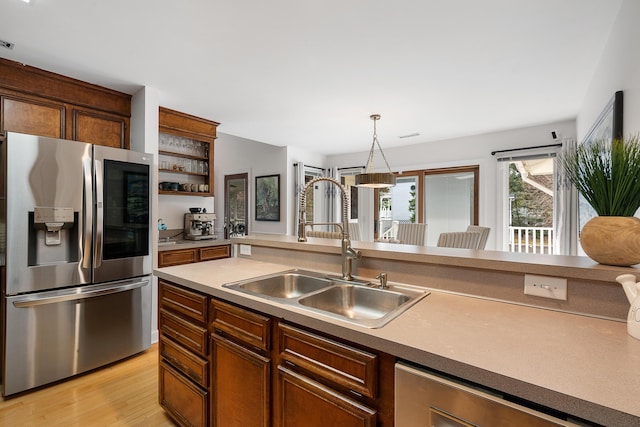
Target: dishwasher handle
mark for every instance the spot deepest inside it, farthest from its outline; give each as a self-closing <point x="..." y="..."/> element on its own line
<point x="32" y="302"/>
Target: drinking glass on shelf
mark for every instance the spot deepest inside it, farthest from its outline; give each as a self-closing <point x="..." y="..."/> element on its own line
<point x="171" y="146"/>
<point x="162" y="142"/>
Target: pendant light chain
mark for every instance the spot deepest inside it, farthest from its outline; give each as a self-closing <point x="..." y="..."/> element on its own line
<point x="375" y="118"/>
<point x="370" y="179"/>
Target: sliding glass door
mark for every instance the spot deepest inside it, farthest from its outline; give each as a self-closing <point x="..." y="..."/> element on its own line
<point x="450" y="200"/>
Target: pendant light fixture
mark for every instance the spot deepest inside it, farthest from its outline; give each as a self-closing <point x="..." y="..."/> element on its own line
<point x="371" y="179"/>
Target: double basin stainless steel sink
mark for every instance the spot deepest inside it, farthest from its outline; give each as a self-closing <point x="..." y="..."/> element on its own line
<point x="360" y="302"/>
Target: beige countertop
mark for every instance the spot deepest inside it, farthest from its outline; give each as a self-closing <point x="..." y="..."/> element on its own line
<point x="580" y="365"/>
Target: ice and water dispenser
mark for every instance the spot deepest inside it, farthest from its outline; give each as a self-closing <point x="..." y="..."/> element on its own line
<point x="52" y="234"/>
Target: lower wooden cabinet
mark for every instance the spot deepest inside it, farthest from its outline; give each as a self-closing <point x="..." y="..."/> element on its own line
<point x="191" y="255"/>
<point x="183" y="400"/>
<point x="184" y="354"/>
<point x="304" y="402"/>
<point x="259" y="371"/>
<point x="214" y="252"/>
<point x="240" y="385"/>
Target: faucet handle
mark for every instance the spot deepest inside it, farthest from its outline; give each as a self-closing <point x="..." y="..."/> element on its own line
<point x="383" y="280"/>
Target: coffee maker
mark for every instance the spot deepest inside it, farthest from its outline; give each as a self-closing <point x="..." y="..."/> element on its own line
<point x="199" y="226"/>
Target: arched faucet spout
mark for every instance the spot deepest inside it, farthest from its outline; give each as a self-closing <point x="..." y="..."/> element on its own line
<point x="348" y="253"/>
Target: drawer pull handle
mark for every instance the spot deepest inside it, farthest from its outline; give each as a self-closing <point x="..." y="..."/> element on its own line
<point x="287" y="362"/>
<point x="356" y="393"/>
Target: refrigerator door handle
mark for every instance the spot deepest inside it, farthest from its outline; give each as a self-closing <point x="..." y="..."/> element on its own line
<point x="87" y="208"/>
<point x="31" y="302"/>
<point x="97" y="254"/>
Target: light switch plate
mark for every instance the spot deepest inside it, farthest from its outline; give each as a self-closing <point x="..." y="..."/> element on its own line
<point x="245" y="250"/>
<point x="545" y="286"/>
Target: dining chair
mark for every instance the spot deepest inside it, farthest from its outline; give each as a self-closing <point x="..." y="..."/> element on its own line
<point x="324" y="234"/>
<point x="484" y="234"/>
<point x="459" y="239"/>
<point x="412" y="233"/>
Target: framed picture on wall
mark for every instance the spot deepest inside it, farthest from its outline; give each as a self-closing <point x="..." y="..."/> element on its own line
<point x="267" y="201"/>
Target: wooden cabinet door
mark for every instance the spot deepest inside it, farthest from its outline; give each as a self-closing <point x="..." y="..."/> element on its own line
<point x="183" y="400"/>
<point x="33" y="116"/>
<point x="215" y="252"/>
<point x="100" y="128"/>
<point x="177" y="257"/>
<point x="300" y="401"/>
<point x="240" y="386"/>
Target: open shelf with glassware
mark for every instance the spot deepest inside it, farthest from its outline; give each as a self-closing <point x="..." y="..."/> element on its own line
<point x="185" y="154"/>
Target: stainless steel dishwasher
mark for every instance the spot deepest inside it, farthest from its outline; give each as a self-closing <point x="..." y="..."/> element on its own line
<point x="423" y="399"/>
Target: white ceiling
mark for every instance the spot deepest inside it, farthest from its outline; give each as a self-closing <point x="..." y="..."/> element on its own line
<point x="309" y="73"/>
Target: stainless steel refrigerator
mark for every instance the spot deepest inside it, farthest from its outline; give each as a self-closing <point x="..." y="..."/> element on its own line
<point x="76" y="234"/>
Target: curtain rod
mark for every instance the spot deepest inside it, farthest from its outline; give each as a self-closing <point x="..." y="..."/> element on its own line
<point x="493" y="153"/>
<point x="351" y="167"/>
<point x="308" y="166"/>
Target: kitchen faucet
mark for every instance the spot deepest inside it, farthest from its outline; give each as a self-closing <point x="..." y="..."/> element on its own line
<point x="348" y="253"/>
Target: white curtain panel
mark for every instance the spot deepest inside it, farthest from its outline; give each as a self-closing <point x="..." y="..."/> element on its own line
<point x="566" y="209"/>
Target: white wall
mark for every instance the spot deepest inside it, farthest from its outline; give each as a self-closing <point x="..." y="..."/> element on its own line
<point x="619" y="69"/>
<point x="235" y="155"/>
<point x="144" y="138"/>
<point x="471" y="150"/>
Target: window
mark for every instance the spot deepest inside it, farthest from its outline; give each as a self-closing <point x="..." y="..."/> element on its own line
<point x="446" y="199"/>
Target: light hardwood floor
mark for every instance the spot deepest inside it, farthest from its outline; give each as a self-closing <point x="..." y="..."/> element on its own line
<point x="121" y="394"/>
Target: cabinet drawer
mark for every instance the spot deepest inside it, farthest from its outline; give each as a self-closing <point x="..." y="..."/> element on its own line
<point x="245" y="326"/>
<point x="182" y="256"/>
<point x="215" y="252"/>
<point x="188" y="303"/>
<point x="304" y="402"/>
<point x="191" y="336"/>
<point x="329" y="361"/>
<point x="185" y="361"/>
<point x="183" y="400"/>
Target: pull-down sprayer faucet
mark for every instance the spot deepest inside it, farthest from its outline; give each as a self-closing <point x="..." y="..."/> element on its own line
<point x="348" y="253"/>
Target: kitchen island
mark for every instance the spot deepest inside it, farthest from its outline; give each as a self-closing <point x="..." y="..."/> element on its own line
<point x="580" y="364"/>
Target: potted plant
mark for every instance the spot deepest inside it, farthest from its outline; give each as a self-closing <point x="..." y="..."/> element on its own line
<point x="607" y="175"/>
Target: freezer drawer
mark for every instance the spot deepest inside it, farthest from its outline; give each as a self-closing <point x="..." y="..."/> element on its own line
<point x="56" y="334"/>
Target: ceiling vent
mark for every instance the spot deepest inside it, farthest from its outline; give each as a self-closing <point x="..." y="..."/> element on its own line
<point x="6" y="44"/>
<point x="411" y="135"/>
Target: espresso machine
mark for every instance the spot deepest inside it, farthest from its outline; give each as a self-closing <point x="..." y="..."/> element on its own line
<point x="199" y="226"/>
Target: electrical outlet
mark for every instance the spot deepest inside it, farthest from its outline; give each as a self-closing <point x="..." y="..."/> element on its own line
<point x="545" y="286"/>
<point x="245" y="250"/>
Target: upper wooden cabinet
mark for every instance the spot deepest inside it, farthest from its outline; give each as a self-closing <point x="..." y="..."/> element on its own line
<point x="186" y="152"/>
<point x="186" y="125"/>
<point x="42" y="103"/>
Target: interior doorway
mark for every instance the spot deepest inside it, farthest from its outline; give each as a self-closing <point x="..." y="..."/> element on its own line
<point x="236" y="202"/>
